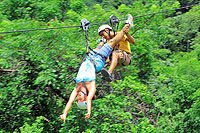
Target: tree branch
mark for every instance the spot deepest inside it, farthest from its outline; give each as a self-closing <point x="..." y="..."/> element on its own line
<point x="7" y="70"/>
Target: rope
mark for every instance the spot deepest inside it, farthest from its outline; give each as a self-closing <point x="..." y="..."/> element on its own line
<point x="37" y="29"/>
<point x="54" y="28"/>
<point x="87" y="41"/>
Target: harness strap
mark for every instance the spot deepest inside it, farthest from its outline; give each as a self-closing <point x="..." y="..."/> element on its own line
<point x="91" y="60"/>
<point x="85" y="26"/>
<point x="96" y="53"/>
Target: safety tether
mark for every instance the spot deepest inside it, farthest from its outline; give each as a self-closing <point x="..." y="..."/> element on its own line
<point x="85" y="26"/>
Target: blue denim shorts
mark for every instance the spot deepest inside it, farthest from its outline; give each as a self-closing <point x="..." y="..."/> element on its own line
<point x="86" y="72"/>
<point x="106" y="50"/>
<point x="92" y="64"/>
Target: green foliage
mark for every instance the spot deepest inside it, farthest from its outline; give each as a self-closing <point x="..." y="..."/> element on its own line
<point x="2" y="17"/>
<point x="134" y="88"/>
<point x="35" y="127"/>
<point x="181" y="30"/>
<point x="45" y="11"/>
<point x="144" y="127"/>
<point x="33" y="9"/>
<point x="159" y="91"/>
<point x="77" y="6"/>
<point x="73" y="16"/>
<point x="16" y="9"/>
<point x="179" y="80"/>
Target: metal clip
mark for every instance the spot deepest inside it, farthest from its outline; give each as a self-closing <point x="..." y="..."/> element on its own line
<point x="85" y="24"/>
<point x="114" y="21"/>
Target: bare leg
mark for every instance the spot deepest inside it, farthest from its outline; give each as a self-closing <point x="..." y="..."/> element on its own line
<point x="114" y="61"/>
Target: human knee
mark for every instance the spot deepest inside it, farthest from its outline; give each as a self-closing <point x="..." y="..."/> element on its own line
<point x="125" y="59"/>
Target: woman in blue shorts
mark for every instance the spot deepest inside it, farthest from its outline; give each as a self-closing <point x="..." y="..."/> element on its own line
<point x="85" y="79"/>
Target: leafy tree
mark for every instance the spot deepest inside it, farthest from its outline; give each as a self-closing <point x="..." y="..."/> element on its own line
<point x="158" y="92"/>
<point x="36" y="127"/>
<point x="181" y="30"/>
<point x="16" y="9"/>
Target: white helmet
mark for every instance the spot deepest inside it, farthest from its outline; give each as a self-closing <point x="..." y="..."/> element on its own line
<point x="103" y="27"/>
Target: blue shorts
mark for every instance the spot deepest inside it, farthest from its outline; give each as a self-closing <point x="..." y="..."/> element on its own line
<point x="86" y="72"/>
<point x="92" y="64"/>
<point x="98" y="60"/>
<point x="106" y="50"/>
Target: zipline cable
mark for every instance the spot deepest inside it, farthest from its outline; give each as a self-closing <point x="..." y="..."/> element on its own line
<point x="28" y="30"/>
<point x="78" y="26"/>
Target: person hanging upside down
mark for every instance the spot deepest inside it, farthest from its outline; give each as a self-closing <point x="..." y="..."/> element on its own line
<point x="121" y="55"/>
<point x="86" y="76"/>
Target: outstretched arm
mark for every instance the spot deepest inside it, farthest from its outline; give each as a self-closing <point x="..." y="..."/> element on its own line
<point x="69" y="104"/>
<point x="130" y="38"/>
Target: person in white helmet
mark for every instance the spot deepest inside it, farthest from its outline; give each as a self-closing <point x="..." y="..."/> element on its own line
<point x="86" y="76"/>
<point x="121" y="55"/>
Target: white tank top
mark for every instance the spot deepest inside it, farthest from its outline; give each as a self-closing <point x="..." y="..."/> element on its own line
<point x="82" y="105"/>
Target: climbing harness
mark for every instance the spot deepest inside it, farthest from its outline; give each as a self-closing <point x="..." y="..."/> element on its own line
<point x="104" y="57"/>
<point x="85" y="26"/>
<point x="92" y="52"/>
